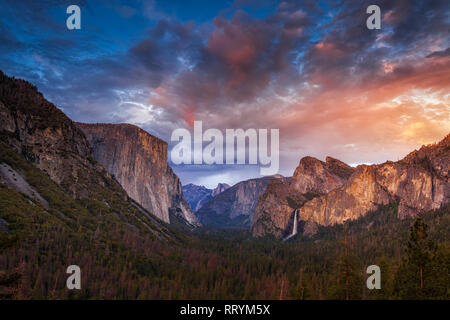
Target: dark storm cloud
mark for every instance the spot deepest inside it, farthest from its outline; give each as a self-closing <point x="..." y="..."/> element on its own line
<point x="294" y="65"/>
<point x="440" y="54"/>
<point x="415" y="20"/>
<point x="349" y="51"/>
<point x="9" y="42"/>
<point x="235" y="60"/>
<point x="33" y="15"/>
<point x="240" y="59"/>
<point x="203" y="70"/>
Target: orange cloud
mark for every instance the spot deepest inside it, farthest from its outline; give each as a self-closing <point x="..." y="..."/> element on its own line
<point x="383" y="119"/>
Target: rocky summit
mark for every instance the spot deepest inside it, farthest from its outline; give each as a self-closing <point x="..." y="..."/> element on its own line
<point x="76" y="155"/>
<point x="418" y="183"/>
<point x="47" y="158"/>
<point x="274" y="213"/>
<point x="331" y="192"/>
<point x="138" y="161"/>
<point x="313" y="175"/>
<point x="46" y="137"/>
<point x="197" y="196"/>
<point x="235" y="206"/>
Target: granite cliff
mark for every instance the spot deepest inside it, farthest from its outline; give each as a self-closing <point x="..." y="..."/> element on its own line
<point x="47" y="158"/>
<point x="45" y="136"/>
<point x="221" y="187"/>
<point x="235" y="206"/>
<point x="274" y="213"/>
<point x="313" y="175"/>
<point x="197" y="196"/>
<point x="138" y="161"/>
<point x="331" y="192"/>
<point x="419" y="182"/>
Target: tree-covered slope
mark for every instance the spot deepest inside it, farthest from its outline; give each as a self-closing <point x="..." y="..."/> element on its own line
<point x="118" y="261"/>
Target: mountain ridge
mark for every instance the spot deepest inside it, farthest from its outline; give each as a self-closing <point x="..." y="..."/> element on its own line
<point x="235" y="206"/>
<point x="419" y="182"/>
<point x="197" y="196"/>
<point x="274" y="212"/>
<point x="40" y="132"/>
<point x="52" y="164"/>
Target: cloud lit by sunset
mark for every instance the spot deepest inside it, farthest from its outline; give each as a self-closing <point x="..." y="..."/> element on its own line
<point x="310" y="68"/>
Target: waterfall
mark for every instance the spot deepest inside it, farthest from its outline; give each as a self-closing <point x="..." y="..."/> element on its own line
<point x="294" y="229"/>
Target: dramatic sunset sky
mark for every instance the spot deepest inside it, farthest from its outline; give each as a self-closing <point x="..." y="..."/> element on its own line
<point x="309" y="68"/>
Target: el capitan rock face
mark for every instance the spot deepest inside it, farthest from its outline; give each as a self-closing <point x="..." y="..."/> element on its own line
<point x="312" y="177"/>
<point x="138" y="161"/>
<point x="419" y="182"/>
<point x="34" y="133"/>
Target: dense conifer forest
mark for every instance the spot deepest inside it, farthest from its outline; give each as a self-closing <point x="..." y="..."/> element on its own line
<point x="119" y="263"/>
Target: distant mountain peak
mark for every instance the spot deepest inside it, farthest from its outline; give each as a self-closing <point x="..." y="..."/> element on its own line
<point x="197" y="195"/>
<point x="221" y="187"/>
<point x="235" y="206"/>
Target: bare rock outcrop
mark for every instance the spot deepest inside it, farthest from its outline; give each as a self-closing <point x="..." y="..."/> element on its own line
<point x="221" y="187"/>
<point x="312" y="177"/>
<point x="197" y="196"/>
<point x="235" y="206"/>
<point x="419" y="182"/>
<point x="47" y="139"/>
<point x="16" y="181"/>
<point x="45" y="136"/>
<point x="275" y="209"/>
<point x="337" y="192"/>
<point x="138" y="161"/>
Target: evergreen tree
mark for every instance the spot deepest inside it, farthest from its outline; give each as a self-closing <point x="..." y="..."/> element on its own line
<point x="9" y="282"/>
<point x="387" y="280"/>
<point x="348" y="282"/>
<point x="437" y="274"/>
<point x="302" y="290"/>
<point x="411" y="280"/>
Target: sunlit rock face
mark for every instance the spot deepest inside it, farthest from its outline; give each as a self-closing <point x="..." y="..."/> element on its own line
<point x="45" y="138"/>
<point x="221" y="187"/>
<point x="331" y="192"/>
<point x="138" y="161"/>
<point x="313" y="175"/>
<point x="419" y="182"/>
<point x="275" y="210"/>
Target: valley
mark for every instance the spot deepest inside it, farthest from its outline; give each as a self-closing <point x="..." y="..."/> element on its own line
<point x="103" y="197"/>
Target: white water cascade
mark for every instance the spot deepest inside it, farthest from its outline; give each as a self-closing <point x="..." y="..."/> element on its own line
<point x="294" y="228"/>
